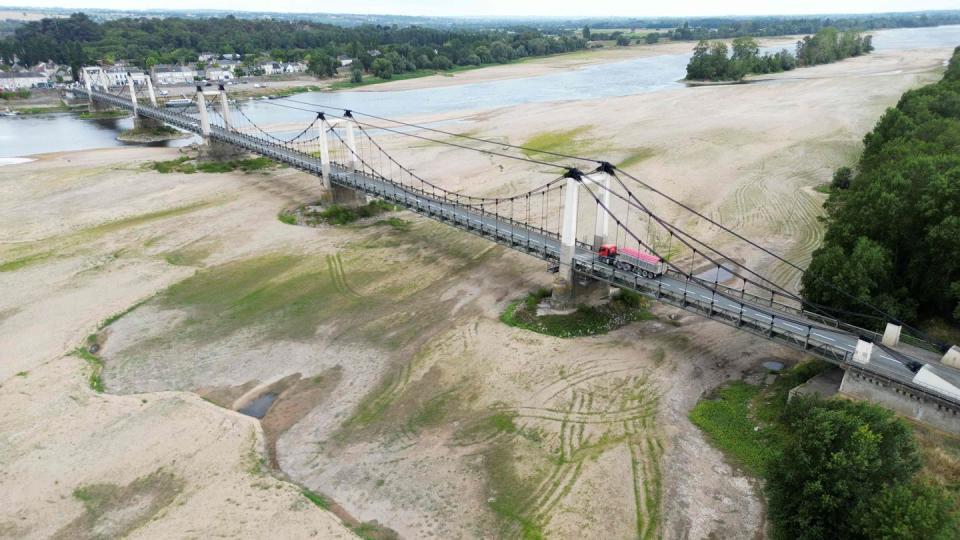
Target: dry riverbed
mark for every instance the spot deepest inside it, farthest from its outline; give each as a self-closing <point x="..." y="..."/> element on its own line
<point x="398" y="393"/>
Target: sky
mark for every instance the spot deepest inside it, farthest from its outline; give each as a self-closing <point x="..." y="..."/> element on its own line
<point x="560" y="8"/>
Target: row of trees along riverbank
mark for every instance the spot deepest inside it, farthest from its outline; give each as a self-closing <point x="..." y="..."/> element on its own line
<point x="893" y="220"/>
<point x="78" y="40"/>
<point x="713" y="61"/>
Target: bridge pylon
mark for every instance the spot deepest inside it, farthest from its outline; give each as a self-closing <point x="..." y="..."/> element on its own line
<point x="140" y="122"/>
<point x="569" y="288"/>
<point x="213" y="150"/>
<point x="334" y="193"/>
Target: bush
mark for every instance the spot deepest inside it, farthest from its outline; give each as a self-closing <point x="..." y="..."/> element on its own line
<point x="842" y="178"/>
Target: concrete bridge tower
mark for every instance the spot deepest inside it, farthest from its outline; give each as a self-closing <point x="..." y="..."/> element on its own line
<point x="334" y="193"/>
<point x="570" y="289"/>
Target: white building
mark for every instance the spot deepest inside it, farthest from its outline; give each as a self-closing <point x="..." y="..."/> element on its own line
<point x="218" y="73"/>
<point x="18" y="80"/>
<point x="294" y="67"/>
<point x="344" y="60"/>
<point x="206" y="57"/>
<point x="119" y="75"/>
<point x="271" y="68"/>
<point x="166" y="74"/>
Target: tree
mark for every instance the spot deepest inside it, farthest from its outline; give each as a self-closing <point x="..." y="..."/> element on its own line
<point x="382" y="68"/>
<point x="651" y="38"/>
<point x="906" y="512"/>
<point x="356" y="75"/>
<point x="745" y="51"/>
<point x="623" y="41"/>
<point x="586" y="33"/>
<point x="839" y="454"/>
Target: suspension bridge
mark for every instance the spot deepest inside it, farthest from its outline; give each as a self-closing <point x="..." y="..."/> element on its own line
<point x="341" y="147"/>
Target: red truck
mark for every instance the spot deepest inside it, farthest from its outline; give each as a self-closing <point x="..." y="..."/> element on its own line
<point x="632" y="260"/>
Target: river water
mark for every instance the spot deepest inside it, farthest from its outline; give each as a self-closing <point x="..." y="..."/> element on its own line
<point x="20" y="136"/>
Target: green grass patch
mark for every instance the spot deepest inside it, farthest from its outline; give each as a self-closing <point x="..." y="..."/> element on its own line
<point x="96" y="366"/>
<point x="22" y="373"/>
<point x="826" y="189"/>
<point x="395" y="223"/>
<point x="103" y="115"/>
<point x="509" y="491"/>
<point x="585" y="321"/>
<point x="276" y="296"/>
<point x="114" y="511"/>
<point x="432" y="412"/>
<point x="316" y="498"/>
<point x="23" y="262"/>
<point x="287" y="218"/>
<point x="15" y="94"/>
<point x="342" y="215"/>
<point x="729" y="422"/>
<point x="637" y="156"/>
<point x="562" y="142"/>
<point x="293" y="90"/>
<point x="187" y="165"/>
<point x="732" y="416"/>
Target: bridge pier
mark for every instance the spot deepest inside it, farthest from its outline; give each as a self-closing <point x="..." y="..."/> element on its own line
<point x="92" y="106"/>
<point x="570" y="289"/>
<point x="212" y="150"/>
<point x="333" y="193"/>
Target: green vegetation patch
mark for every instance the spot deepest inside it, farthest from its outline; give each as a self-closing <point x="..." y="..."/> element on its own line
<point x="188" y="165"/>
<point x="15" y="94"/>
<point x="23" y="262"/>
<point x="289" y="295"/>
<point x="585" y="321"/>
<point x="343" y="215"/>
<point x="729" y="422"/>
<point x="112" y="511"/>
<point x="316" y="498"/>
<point x="103" y="115"/>
<point x="742" y="419"/>
<point x="571" y="142"/>
<point x="96" y="368"/>
<point x="638" y="155"/>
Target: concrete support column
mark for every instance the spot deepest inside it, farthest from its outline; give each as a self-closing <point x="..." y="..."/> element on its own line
<point x="952" y="357"/>
<point x="86" y="82"/>
<point x="891" y="335"/>
<point x="133" y="93"/>
<point x="324" y="153"/>
<point x="352" y="147"/>
<point x="204" y="120"/>
<point x="153" y="95"/>
<point x="568" y="231"/>
<point x="602" y="230"/>
<point x="863" y="351"/>
<point x="225" y="110"/>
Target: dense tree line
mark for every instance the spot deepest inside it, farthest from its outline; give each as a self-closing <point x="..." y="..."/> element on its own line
<point x="726" y="27"/>
<point x="849" y="470"/>
<point x="893" y="233"/>
<point x="147" y="41"/>
<point x="714" y="61"/>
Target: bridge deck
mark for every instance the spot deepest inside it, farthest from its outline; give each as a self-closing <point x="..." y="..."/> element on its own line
<point x="825" y="338"/>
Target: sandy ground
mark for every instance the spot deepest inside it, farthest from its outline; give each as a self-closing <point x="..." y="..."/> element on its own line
<point x="161" y="465"/>
<point x="401" y="396"/>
